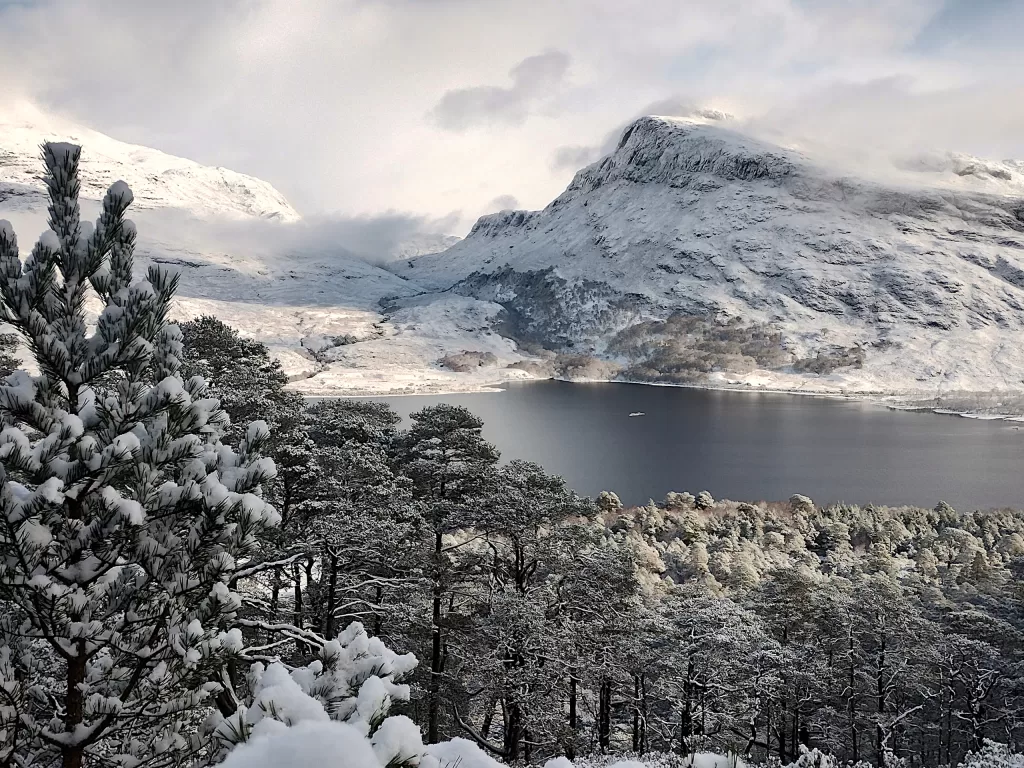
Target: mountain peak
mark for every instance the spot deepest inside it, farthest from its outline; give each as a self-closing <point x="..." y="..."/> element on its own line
<point x="894" y="278"/>
<point x="670" y="150"/>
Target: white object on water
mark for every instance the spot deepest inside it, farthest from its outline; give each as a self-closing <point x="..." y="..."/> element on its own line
<point x="637" y="413"/>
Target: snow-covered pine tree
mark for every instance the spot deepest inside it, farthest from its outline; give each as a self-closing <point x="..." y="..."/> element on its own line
<point x="121" y="513"/>
<point x="451" y="468"/>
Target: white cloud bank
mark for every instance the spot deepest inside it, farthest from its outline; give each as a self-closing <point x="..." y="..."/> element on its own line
<point x="435" y="107"/>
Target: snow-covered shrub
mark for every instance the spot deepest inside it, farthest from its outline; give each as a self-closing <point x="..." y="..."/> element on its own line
<point x="319" y="744"/>
<point x="813" y="758"/>
<point x="330" y="744"/>
<point x="353" y="680"/>
<point x="457" y="753"/>
<point x="124" y="514"/>
<point x="333" y="713"/>
<point x="993" y="755"/>
<point x="713" y="760"/>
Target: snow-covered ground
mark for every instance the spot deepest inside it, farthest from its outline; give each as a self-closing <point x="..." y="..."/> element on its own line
<point x="400" y="360"/>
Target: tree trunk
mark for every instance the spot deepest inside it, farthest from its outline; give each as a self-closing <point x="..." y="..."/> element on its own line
<point x="312" y="600"/>
<point x="851" y="706"/>
<point x="298" y="611"/>
<point x="513" y="732"/>
<point x="643" y="714"/>
<point x="570" y="750"/>
<point x="74" y="696"/>
<point x="783" y="708"/>
<point x="686" y="714"/>
<point x="378" y="617"/>
<point x="74" y="705"/>
<point x="332" y="598"/>
<point x="573" y="717"/>
<point x="604" y="714"/>
<point x="880" y="704"/>
<point x="783" y="753"/>
<point x="636" y="714"/>
<point x="485" y="729"/>
<point x="434" y="687"/>
<point x="950" y="700"/>
<point x="275" y="594"/>
<point x="949" y="723"/>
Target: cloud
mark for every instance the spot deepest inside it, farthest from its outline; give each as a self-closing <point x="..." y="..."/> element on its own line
<point x="891" y="114"/>
<point x="573" y="157"/>
<point x="533" y="79"/>
<point x="375" y="239"/>
<point x="503" y="203"/>
<point x="357" y="107"/>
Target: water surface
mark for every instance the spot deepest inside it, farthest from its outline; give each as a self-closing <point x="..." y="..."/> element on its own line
<point x="747" y="446"/>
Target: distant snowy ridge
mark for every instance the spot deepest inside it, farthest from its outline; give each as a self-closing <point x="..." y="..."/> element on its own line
<point x="916" y="276"/>
<point x="158" y="180"/>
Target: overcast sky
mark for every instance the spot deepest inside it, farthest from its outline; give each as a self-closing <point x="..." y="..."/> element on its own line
<point x="442" y="107"/>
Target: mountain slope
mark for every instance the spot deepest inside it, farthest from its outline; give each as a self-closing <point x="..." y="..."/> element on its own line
<point x="245" y="255"/>
<point x="914" y="281"/>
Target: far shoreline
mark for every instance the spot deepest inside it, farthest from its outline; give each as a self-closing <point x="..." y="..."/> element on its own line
<point x="889" y="400"/>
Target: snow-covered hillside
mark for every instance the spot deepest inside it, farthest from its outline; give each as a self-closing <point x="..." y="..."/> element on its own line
<point x="158" y="180"/>
<point x="245" y="255"/>
<point x="914" y="271"/>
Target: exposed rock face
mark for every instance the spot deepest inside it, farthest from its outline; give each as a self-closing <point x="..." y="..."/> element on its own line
<point x="544" y="308"/>
<point x="924" y="272"/>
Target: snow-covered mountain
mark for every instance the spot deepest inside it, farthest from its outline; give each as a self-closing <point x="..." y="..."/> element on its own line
<point x="245" y="255"/>
<point x="692" y="251"/>
<point x="906" y="276"/>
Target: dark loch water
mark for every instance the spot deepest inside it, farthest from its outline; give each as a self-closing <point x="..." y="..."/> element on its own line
<point x="747" y="446"/>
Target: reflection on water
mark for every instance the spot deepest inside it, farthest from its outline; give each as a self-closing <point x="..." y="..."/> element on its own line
<point x="747" y="446"/>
